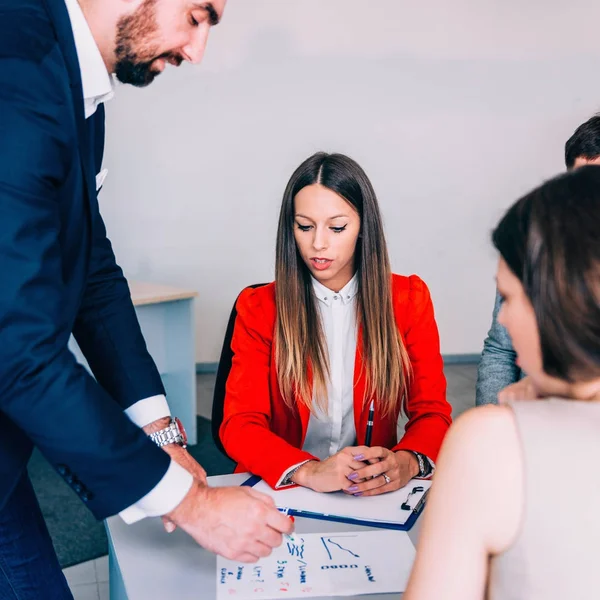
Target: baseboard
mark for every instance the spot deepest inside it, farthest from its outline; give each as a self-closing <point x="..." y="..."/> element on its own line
<point x="461" y="359"/>
<point x="206" y="368"/>
<point x="449" y="359"/>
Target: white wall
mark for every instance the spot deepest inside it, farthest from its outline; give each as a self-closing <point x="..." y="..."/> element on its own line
<point x="453" y="108"/>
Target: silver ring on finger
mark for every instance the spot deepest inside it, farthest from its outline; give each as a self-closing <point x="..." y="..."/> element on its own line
<point x="387" y="479"/>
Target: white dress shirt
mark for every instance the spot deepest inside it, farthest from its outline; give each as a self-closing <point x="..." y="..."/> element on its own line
<point x="98" y="87"/>
<point x="332" y="430"/>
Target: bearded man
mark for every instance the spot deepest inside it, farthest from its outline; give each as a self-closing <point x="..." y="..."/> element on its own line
<point x="111" y="436"/>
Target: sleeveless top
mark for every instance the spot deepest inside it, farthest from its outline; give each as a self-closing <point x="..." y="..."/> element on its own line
<point x="556" y="555"/>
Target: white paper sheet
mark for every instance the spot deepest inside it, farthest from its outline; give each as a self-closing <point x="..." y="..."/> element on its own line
<point x="341" y="564"/>
<point x="385" y="508"/>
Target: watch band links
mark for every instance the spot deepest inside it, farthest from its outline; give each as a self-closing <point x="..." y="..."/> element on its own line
<point x="168" y="435"/>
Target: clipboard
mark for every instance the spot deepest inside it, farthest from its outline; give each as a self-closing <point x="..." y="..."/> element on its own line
<point x="329" y="515"/>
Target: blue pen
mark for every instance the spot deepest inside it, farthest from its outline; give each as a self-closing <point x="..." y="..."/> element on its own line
<point x="286" y="512"/>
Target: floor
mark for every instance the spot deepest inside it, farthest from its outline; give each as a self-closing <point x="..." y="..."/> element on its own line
<point x="89" y="580"/>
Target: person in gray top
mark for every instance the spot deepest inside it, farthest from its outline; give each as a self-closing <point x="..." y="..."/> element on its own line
<point x="499" y="377"/>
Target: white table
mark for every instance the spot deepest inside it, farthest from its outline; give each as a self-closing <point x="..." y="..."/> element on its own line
<point x="166" y="316"/>
<point x="147" y="563"/>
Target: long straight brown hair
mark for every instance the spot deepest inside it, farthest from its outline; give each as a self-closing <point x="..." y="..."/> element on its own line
<point x="299" y="338"/>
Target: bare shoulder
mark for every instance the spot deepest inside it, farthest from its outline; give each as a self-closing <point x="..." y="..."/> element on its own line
<point x="483" y="447"/>
<point x="484" y="427"/>
<point x="484" y="439"/>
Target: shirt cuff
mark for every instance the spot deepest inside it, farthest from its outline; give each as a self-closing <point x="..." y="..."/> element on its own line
<point x="163" y="498"/>
<point x="282" y="480"/>
<point x="148" y="410"/>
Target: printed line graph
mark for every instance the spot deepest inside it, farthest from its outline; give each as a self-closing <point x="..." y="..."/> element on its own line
<point x="334" y="547"/>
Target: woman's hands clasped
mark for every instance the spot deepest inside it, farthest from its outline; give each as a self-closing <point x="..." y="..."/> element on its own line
<point x="359" y="471"/>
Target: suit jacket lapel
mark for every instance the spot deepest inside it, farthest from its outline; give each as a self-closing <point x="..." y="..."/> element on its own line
<point x="64" y="35"/>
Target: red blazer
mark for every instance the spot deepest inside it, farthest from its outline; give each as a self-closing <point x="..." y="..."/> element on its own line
<point x="265" y="437"/>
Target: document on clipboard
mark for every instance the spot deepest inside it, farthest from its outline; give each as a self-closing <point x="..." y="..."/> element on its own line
<point x="395" y="510"/>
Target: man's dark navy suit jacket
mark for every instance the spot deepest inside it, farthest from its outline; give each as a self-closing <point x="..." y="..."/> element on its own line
<point x="58" y="276"/>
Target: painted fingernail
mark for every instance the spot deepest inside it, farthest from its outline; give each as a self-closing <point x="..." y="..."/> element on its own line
<point x="352" y="488"/>
<point x="170" y="527"/>
<point x="358" y="494"/>
<point x="359" y="457"/>
<point x="353" y="476"/>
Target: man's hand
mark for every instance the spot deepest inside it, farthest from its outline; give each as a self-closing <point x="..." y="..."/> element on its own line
<point x="399" y="467"/>
<point x="330" y="475"/>
<point x="238" y="523"/>
<point x="179" y="455"/>
<point x="521" y="390"/>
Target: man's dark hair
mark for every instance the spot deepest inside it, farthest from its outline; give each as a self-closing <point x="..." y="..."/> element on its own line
<point x="585" y="142"/>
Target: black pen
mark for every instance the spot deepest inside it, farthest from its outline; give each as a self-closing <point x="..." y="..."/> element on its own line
<point x="369" y="432"/>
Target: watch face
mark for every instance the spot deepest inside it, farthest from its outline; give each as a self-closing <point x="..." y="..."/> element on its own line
<point x="181" y="430"/>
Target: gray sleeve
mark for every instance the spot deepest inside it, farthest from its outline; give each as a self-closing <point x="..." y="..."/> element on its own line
<point x="497" y="367"/>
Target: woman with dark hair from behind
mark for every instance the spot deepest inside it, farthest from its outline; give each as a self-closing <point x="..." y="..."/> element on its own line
<point x="336" y="335"/>
<point x="513" y="511"/>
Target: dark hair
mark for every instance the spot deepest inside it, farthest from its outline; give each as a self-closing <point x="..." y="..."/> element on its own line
<point x="299" y="338"/>
<point x="585" y="142"/>
<point x="550" y="239"/>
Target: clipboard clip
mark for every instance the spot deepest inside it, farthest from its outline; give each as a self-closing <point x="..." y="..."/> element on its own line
<point x="406" y="506"/>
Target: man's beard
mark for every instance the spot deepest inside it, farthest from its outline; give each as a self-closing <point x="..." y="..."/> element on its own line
<point x="134" y="52"/>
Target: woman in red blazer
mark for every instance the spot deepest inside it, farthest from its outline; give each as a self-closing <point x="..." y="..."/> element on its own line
<point x="336" y="335"/>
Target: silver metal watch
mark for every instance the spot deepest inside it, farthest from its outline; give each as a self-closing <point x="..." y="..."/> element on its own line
<point x="174" y="433"/>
